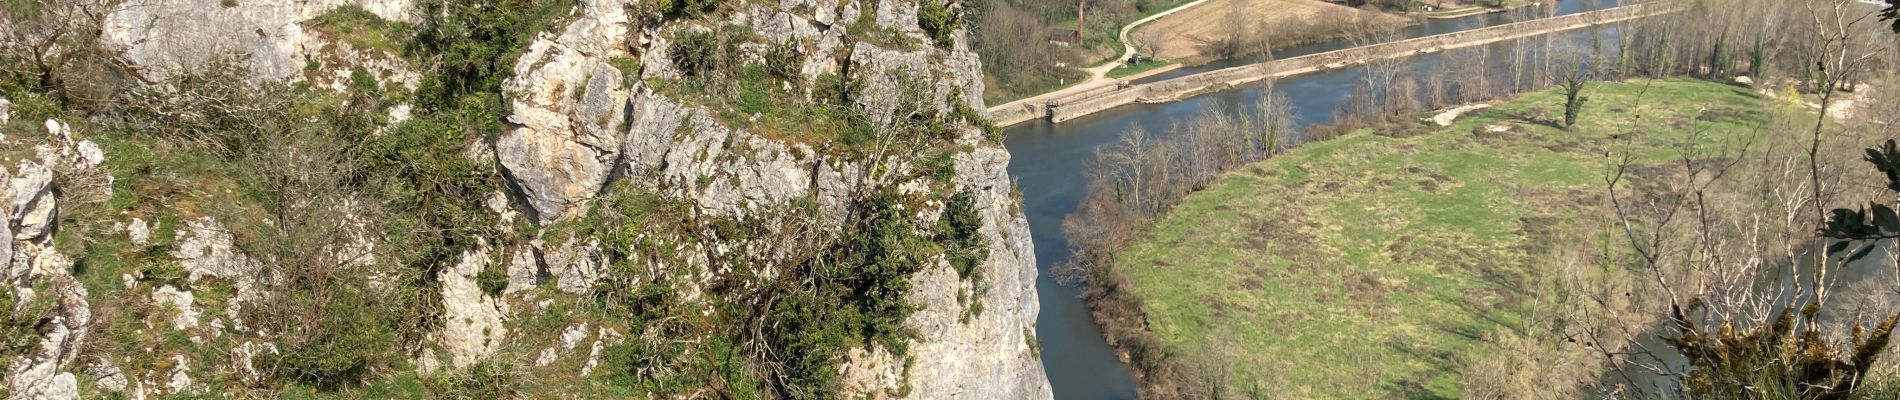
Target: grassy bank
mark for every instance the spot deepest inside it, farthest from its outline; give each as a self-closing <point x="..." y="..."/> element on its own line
<point x="1375" y="264"/>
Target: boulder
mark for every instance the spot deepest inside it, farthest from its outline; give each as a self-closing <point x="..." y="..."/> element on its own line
<point x="31" y="209"/>
<point x="472" y="319"/>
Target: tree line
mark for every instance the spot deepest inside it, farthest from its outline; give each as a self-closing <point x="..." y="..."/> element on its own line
<point x="1694" y="264"/>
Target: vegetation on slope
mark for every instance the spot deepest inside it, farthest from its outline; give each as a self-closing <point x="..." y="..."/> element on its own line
<point x="294" y="173"/>
<point x="1397" y="261"/>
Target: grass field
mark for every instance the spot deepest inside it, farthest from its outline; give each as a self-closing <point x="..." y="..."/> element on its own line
<point x="1181" y="35"/>
<point x="1370" y="266"/>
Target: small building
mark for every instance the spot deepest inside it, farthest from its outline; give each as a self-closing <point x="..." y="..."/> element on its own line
<point x="1066" y="37"/>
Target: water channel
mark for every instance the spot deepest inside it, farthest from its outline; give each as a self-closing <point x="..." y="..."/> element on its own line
<point x="1048" y="161"/>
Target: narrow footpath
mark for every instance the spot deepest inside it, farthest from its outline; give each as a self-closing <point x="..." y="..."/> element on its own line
<point x="1098" y="75"/>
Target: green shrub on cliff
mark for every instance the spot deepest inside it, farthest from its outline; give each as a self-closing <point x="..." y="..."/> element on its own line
<point x="939" y="21"/>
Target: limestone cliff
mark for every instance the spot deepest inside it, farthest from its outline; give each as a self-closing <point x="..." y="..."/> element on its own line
<point x="607" y="105"/>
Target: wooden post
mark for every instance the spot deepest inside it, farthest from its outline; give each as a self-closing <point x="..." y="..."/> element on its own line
<point x="1081" y="23"/>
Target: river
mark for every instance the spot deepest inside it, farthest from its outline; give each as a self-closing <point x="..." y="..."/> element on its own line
<point x="1047" y="163"/>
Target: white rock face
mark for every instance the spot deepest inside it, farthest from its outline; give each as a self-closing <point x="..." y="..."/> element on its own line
<point x="108" y="376"/>
<point x="577" y="266"/>
<point x="31" y="209"/>
<point x="524" y="270"/>
<point x="90" y="154"/>
<point x="138" y="231"/>
<point x="569" y="105"/>
<point x="206" y="250"/>
<point x="39" y="376"/>
<point x="180" y="301"/>
<point x="988" y="356"/>
<point x="163" y="37"/>
<point x="681" y="150"/>
<point x="245" y="358"/>
<point x="473" y="320"/>
<point x="6" y="111"/>
<point x="180" y="381"/>
<point x="576" y="125"/>
<point x="34" y="270"/>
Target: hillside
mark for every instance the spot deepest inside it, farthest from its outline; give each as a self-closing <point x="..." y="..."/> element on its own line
<point x="1386" y="264"/>
<point x="506" y="199"/>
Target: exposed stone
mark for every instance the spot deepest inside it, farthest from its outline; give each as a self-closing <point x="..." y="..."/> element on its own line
<point x="577" y="267"/>
<point x="987" y="356"/>
<point x="427" y="363"/>
<point x="205" y="250"/>
<point x="745" y="171"/>
<point x="90" y="154"/>
<point x="873" y="371"/>
<point x="163" y="37"/>
<point x="576" y="124"/>
<point x="138" y="231"/>
<point x="180" y="381"/>
<point x="44" y="374"/>
<point x="899" y="15"/>
<point x="245" y="358"/>
<point x="524" y="270"/>
<point x="566" y="113"/>
<point x="6" y="111"/>
<point x="472" y="320"/>
<point x="572" y="336"/>
<point x="107" y="376"/>
<point x="38" y="376"/>
<point x="181" y="302"/>
<point x="63" y="152"/>
<point x="32" y="206"/>
<point x="603" y="338"/>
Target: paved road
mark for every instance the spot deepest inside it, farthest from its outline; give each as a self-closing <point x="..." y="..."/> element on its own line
<point x="1098" y="76"/>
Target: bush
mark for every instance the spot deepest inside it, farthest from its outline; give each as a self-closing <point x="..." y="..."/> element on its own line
<point x="696" y="53"/>
<point x="486" y="380"/>
<point x="687" y="8"/>
<point x="19" y="330"/>
<point x="851" y="295"/>
<point x="786" y="62"/>
<point x="333" y="341"/>
<point x="938" y="21"/>
<point x="959" y="228"/>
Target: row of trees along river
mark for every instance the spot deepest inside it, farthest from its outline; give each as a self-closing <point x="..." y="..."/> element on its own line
<point x="1054" y="164"/>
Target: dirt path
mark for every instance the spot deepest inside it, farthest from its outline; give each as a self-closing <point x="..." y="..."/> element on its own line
<point x="1193" y="85"/>
<point x="1098" y="75"/>
<point x="1183" y="35"/>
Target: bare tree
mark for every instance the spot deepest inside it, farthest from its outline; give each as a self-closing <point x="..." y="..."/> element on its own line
<point x="57" y="44"/>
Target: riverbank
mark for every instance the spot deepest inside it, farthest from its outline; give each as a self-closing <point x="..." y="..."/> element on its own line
<point x="1069" y="105"/>
<point x="1389" y="257"/>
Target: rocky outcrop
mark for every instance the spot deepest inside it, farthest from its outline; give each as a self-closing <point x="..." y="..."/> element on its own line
<point x="584" y="116"/>
<point x="569" y="105"/>
<point x="36" y="272"/>
<point x="474" y="319"/>
<point x="560" y="156"/>
<point x="989" y="355"/>
<point x="161" y="38"/>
